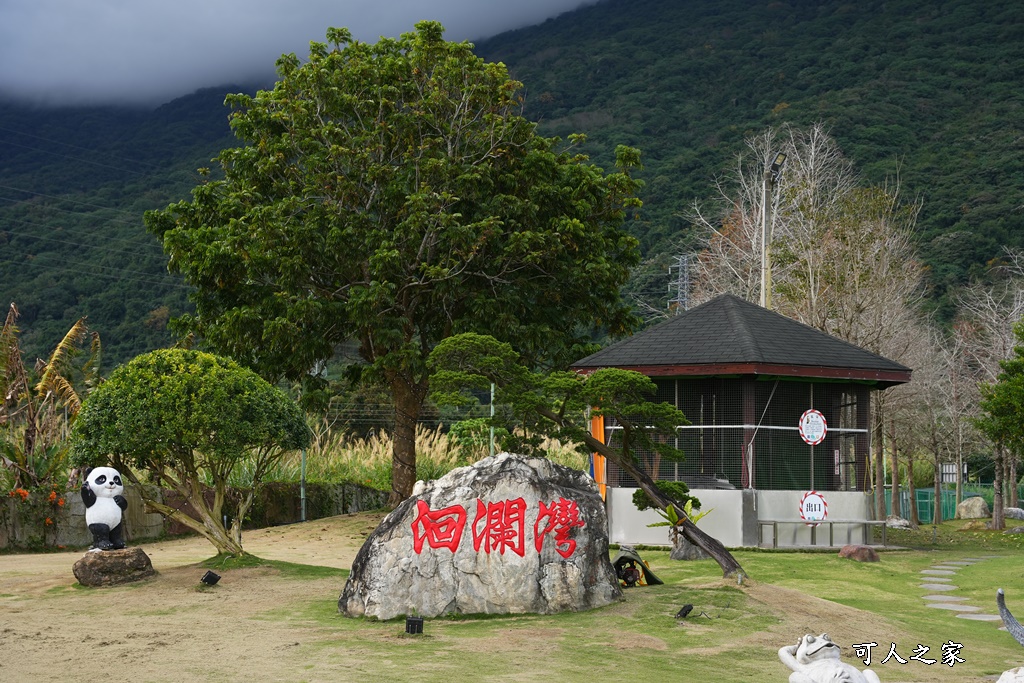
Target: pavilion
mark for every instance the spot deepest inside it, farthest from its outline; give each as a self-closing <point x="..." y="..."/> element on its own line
<point x="743" y="376"/>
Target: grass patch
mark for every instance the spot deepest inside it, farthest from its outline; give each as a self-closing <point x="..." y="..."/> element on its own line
<point x="732" y="634"/>
<point x="293" y="570"/>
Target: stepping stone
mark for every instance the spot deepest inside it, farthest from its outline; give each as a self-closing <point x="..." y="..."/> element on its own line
<point x="945" y="598"/>
<point x="973" y="559"/>
<point x="953" y="606"/>
<point x="940" y="579"/>
<point x="962" y="563"/>
<point x="980" y="617"/>
<point x="938" y="587"/>
<point x="938" y="572"/>
<point x="942" y="566"/>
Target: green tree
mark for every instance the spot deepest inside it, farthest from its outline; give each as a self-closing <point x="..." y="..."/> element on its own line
<point x="550" y="403"/>
<point x="393" y="194"/>
<point x="1002" y="416"/>
<point x="189" y="419"/>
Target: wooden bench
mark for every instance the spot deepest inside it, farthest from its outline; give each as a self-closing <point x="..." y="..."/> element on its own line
<point x="774" y="523"/>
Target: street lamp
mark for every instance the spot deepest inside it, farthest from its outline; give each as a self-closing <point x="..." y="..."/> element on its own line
<point x="771" y="179"/>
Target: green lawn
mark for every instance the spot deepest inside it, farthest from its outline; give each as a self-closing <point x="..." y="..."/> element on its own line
<point x="733" y="633"/>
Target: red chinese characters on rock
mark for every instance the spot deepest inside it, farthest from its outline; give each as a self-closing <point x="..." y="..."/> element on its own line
<point x="440" y="528"/>
<point x="502" y="526"/>
<point x="498" y="526"/>
<point x="562" y="516"/>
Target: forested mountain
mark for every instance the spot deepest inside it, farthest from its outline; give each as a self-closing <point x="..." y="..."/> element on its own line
<point x="930" y="90"/>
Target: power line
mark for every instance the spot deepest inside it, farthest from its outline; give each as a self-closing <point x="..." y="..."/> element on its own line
<point x="68" y="156"/>
<point x="61" y="199"/>
<point x="84" y="149"/>
<point x="148" y="278"/>
<point x="31" y="235"/>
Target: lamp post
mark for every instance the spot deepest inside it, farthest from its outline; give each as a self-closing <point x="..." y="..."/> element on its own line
<point x="771" y="179"/>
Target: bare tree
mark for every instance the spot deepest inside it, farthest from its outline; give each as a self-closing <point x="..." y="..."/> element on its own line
<point x="842" y="256"/>
<point x="987" y="315"/>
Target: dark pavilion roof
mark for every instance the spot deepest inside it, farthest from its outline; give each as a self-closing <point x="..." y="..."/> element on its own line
<point x="730" y="336"/>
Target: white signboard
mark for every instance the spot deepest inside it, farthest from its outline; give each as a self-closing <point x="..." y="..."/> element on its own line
<point x="813" y="508"/>
<point x="812" y="427"/>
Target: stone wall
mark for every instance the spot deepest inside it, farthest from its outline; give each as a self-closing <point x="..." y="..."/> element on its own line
<point x="22" y="527"/>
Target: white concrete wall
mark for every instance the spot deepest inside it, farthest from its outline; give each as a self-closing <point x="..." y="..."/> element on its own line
<point x="785" y="505"/>
<point x="628" y="525"/>
<point x="733" y="519"/>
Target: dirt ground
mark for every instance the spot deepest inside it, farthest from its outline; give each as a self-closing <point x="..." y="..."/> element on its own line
<point x="170" y="630"/>
<point x="256" y="624"/>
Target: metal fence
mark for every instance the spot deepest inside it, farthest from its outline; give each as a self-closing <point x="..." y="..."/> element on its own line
<point x="745" y="433"/>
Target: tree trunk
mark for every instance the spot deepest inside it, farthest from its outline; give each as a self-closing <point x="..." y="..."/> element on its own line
<point x="1012" y="480"/>
<point x="408" y="397"/>
<point x="937" y="485"/>
<point x="959" y="472"/>
<point x="915" y="519"/>
<point x="214" y="533"/>
<point x="998" y="522"/>
<point x="894" y="505"/>
<point x="730" y="567"/>
<point x="878" y="456"/>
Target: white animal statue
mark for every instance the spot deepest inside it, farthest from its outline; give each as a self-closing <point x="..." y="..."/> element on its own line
<point x="104" y="504"/>
<point x="815" y="659"/>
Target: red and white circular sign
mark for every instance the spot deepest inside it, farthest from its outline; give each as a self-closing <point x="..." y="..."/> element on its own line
<point x="812" y="427"/>
<point x="813" y="508"/>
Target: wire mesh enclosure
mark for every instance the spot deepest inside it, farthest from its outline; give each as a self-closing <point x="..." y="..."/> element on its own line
<point x="744" y="433"/>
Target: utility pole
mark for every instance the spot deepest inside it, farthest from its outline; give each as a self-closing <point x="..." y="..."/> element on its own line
<point x="771" y="179"/>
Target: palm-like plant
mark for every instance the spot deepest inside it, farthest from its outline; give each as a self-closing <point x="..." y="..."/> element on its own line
<point x="39" y="405"/>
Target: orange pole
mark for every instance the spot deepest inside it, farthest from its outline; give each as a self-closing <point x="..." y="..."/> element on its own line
<point x="597" y="462"/>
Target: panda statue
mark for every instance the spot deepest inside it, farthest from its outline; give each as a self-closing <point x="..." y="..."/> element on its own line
<point x="104" y="504"/>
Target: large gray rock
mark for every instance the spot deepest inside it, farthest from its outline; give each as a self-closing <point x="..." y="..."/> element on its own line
<point x="1013" y="513"/>
<point x="509" y="534"/>
<point x="113" y="567"/>
<point x="683" y="549"/>
<point x="894" y="522"/>
<point x="973" y="508"/>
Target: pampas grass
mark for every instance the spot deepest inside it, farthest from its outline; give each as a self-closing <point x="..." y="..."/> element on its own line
<point x="336" y="455"/>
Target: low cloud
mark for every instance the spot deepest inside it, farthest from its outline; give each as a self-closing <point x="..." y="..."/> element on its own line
<point x="58" y="52"/>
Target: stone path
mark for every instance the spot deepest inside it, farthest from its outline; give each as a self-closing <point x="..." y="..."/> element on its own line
<point x="939" y="578"/>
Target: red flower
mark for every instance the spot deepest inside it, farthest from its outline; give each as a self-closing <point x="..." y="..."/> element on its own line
<point x="60" y="502"/>
<point x="53" y="496"/>
<point x="19" y="492"/>
<point x="49" y="521"/>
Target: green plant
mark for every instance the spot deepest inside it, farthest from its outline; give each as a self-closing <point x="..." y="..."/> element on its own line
<point x="187" y="418"/>
<point x="38" y="406"/>
<point x="679" y="493"/>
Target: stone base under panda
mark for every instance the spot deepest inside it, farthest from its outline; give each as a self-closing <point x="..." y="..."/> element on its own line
<point x="113" y="567"/>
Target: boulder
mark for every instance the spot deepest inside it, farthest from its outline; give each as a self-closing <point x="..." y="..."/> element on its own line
<point x="894" y="522"/>
<point x="113" y="567"/>
<point x="860" y="553"/>
<point x="973" y="508"/>
<point x="1013" y="513"/>
<point x="1012" y="676"/>
<point x="977" y="525"/>
<point x="683" y="549"/>
<point x="509" y="534"/>
<point x="1015" y="530"/>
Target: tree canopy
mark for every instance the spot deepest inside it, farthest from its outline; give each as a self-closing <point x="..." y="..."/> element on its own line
<point x="187" y="418"/>
<point x="393" y="194"/>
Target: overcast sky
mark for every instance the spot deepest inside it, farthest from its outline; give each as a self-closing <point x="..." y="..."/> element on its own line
<point x="151" y="51"/>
